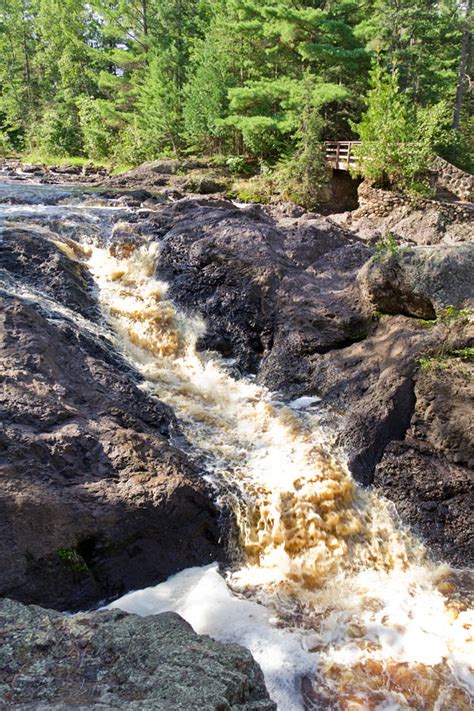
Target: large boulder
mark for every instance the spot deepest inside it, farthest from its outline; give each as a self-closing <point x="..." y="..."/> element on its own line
<point x="443" y="415"/>
<point x="113" y="660"/>
<point x="421" y="281"/>
<point x="271" y="294"/>
<point x="38" y="264"/>
<point x="429" y="474"/>
<point x="96" y="499"/>
<point x="369" y="389"/>
<point x="432" y="495"/>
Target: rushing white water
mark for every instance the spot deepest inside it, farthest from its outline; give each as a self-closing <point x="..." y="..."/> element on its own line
<point x="337" y="602"/>
<point x="349" y="600"/>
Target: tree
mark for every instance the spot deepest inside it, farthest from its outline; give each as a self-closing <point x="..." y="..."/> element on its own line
<point x="465" y="64"/>
<point x="18" y="78"/>
<point x="398" y="139"/>
<point x="303" y="178"/>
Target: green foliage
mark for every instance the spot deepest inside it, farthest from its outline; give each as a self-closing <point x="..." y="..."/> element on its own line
<point x="5" y="145"/>
<point x="433" y="362"/>
<point x="72" y="561"/>
<point x="59" y="131"/>
<point x="97" y="135"/>
<point x="257" y="189"/>
<point x="398" y="138"/>
<point x="128" y="81"/>
<point x="452" y="313"/>
<point x="303" y="177"/>
<point x="386" y="245"/>
<point x="445" y="359"/>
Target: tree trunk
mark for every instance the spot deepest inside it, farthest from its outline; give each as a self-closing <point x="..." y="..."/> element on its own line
<point x="464" y="65"/>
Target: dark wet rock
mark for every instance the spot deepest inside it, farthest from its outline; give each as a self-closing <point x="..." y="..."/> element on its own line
<point x="421" y="281"/>
<point x="95" y="498"/>
<point x="432" y="495"/>
<point x="36" y="262"/>
<point x="111" y="659"/>
<point x="205" y="185"/>
<point x="407" y="429"/>
<point x="31" y="168"/>
<point x="15" y="171"/>
<point x="133" y="198"/>
<point x="369" y="388"/>
<point x="66" y="169"/>
<point x="272" y="294"/>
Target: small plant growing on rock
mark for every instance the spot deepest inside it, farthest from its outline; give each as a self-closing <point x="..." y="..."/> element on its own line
<point x="444" y="358"/>
<point x="452" y="313"/>
<point x="386" y="245"/>
<point x="72" y="560"/>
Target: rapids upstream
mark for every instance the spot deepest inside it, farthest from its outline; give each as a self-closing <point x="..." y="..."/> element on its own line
<point x="339" y="604"/>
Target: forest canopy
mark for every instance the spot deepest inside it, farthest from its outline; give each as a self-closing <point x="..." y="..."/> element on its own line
<point x="131" y="80"/>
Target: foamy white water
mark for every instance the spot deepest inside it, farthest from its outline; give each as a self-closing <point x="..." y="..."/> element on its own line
<point x="333" y="591"/>
<point x="336" y="601"/>
<point x="202" y="597"/>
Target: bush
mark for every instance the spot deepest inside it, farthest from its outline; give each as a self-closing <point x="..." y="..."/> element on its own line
<point x="98" y="138"/>
<point x="399" y="140"/>
<point x="59" y="132"/>
<point x="5" y="145"/>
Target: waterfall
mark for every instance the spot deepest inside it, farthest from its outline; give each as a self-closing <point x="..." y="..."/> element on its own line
<point x="338" y="602"/>
<point x="348" y="599"/>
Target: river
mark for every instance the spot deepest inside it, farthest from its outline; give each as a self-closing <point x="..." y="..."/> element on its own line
<point x="341" y="606"/>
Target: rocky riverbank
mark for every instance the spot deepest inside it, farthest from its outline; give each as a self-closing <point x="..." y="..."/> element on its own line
<point x="102" y="492"/>
<point x="375" y="332"/>
<point x="112" y="660"/>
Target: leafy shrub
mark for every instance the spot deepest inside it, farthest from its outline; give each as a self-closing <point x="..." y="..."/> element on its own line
<point x="386" y="245"/>
<point x="72" y="561"/>
<point x="398" y="138"/>
<point x="5" y="145"/>
<point x="59" y="132"/>
<point x="98" y="138"/>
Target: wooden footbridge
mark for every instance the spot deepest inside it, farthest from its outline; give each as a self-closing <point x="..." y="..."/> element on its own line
<point x="340" y="154"/>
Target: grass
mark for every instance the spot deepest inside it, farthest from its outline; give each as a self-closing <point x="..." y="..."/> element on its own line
<point x="45" y="159"/>
<point x="442" y="361"/>
<point x="121" y="168"/>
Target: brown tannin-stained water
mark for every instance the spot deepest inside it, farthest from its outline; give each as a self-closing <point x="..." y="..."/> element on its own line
<point x="338" y="603"/>
<point x="384" y="627"/>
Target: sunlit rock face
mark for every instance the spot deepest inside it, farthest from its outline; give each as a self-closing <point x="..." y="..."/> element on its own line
<point x="158" y="663"/>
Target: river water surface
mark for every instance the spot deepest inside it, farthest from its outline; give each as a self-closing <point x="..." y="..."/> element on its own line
<point x="339" y="604"/>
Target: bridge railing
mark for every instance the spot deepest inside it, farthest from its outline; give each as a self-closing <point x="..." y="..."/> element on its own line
<point x="340" y="154"/>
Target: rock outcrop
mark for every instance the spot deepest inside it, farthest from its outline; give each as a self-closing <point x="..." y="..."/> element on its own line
<point x="271" y="294"/>
<point x="304" y="304"/>
<point x="410" y="220"/>
<point x="96" y="498"/>
<point x="113" y="660"/>
<point x="421" y="282"/>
